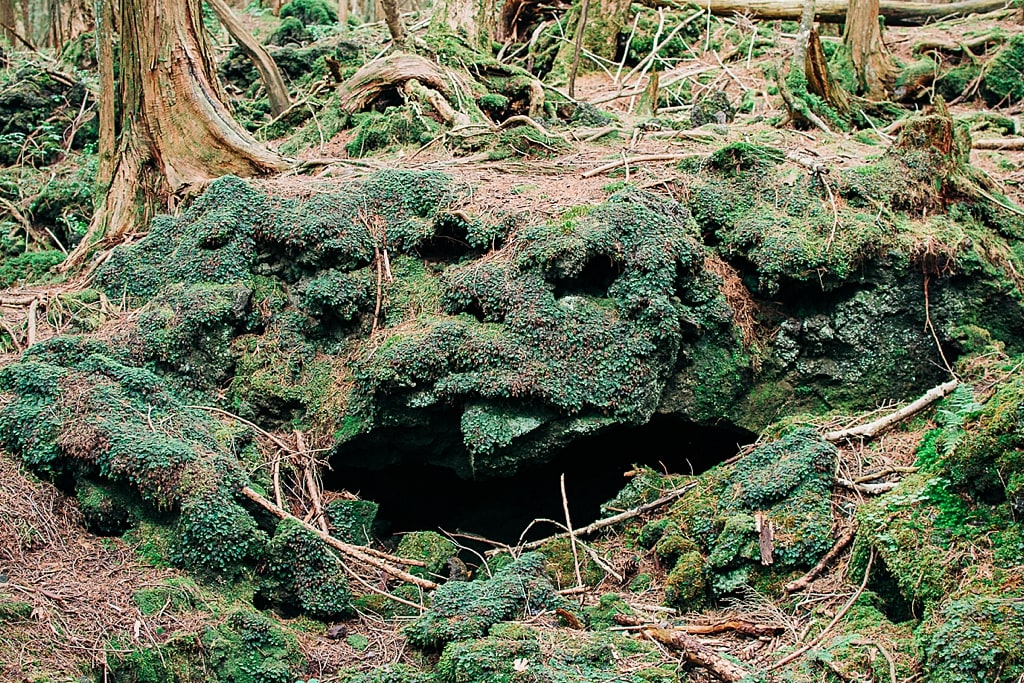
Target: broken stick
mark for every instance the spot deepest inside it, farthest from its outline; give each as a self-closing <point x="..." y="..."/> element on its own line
<point x="361" y="554"/>
<point x="872" y="429"/>
<point x="825" y="562"/>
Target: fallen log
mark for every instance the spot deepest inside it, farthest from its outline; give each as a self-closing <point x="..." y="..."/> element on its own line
<point x="697" y="653"/>
<point x="872" y="429"/>
<point x="364" y="555"/>
<point x="896" y="12"/>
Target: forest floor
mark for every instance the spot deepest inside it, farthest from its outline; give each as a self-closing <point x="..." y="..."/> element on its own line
<point x="79" y="590"/>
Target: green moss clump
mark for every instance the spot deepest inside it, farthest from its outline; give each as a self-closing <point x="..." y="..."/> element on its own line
<point x="463" y="610"/>
<point x="709" y="540"/>
<point x="301" y="571"/>
<point x="429" y="547"/>
<point x="106" y="510"/>
<point x="1002" y="85"/>
<point x="247" y="647"/>
<point x="14" y="610"/>
<point x="514" y="652"/>
<point x="310" y="12"/>
<point x="28" y="267"/>
<point x="352" y="520"/>
<point x="526" y="141"/>
<point x="396" y="126"/>
<point x="975" y="638"/>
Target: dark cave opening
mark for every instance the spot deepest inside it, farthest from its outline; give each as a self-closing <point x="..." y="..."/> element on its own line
<point x="415" y="496"/>
<point x="594" y="279"/>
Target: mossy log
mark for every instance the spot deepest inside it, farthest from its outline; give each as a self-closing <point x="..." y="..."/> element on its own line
<point x="896" y="12"/>
<point x="378" y="80"/>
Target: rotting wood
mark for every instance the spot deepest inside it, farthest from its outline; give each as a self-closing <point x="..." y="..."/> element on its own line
<point x="1008" y="144"/>
<point x="765" y="538"/>
<point x="696" y="652"/>
<point x="604" y="523"/>
<point x="896" y="12"/>
<point x="825" y="562"/>
<point x="355" y="552"/>
<point x="739" y="626"/>
<point x="878" y="426"/>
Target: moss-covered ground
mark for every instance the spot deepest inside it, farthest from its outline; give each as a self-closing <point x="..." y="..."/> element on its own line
<point x="478" y="296"/>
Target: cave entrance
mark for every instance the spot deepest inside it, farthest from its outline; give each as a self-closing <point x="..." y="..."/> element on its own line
<point x="414" y="496"/>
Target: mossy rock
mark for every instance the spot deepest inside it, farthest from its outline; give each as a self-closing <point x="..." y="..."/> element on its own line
<point x="464" y="610"/>
<point x="310" y="12"/>
<point x="1002" y="85"/>
<point x="974" y="638"/>
<point x="429" y="547"/>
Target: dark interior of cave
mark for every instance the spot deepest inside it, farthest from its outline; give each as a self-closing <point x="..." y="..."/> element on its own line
<point x="415" y="496"/>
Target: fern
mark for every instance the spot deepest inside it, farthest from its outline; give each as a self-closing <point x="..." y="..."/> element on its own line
<point x="959" y="408"/>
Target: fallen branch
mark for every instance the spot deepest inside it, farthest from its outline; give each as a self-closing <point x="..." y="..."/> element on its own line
<point x="1009" y="144"/>
<point x="740" y="626"/>
<point x="896" y="12"/>
<point x="697" y="653"/>
<point x="835" y="620"/>
<point x="825" y="562"/>
<point x="872" y="429"/>
<point x="641" y="158"/>
<point x="572" y="534"/>
<point x="358" y="553"/>
<point x="606" y="522"/>
<point x="311" y="484"/>
<point x="867" y="489"/>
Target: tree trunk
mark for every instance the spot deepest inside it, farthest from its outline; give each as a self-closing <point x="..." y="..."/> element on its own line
<point x="107" y="122"/>
<point x="68" y="20"/>
<point x="393" y="18"/>
<point x="472" y="20"/>
<point x="176" y="135"/>
<point x="863" y="41"/>
<point x="8" y="20"/>
<point x="277" y="91"/>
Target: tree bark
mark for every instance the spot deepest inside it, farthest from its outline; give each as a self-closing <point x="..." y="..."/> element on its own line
<point x="393" y="18"/>
<point x="107" y="122"/>
<point x="863" y="41"/>
<point x="68" y="20"/>
<point x="896" y="12"/>
<point x="8" y="21"/>
<point x="277" y="91"/>
<point x="176" y="133"/>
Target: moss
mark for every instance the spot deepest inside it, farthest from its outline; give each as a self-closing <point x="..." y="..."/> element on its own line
<point x="561" y="566"/>
<point x="429" y="547"/>
<point x="13" y="610"/>
<point x="463" y="610"/>
<point x="174" y="595"/>
<point x="30" y="267"/>
<point x="602" y="615"/>
<point x="301" y="572"/>
<point x="1002" y="84"/>
<point x="975" y="638"/>
<point x="352" y="520"/>
<point x="685" y="585"/>
<point x="514" y="653"/>
<point x="396" y="126"/>
<point x="310" y="12"/>
<point x="246" y="647"/>
<point x="107" y="510"/>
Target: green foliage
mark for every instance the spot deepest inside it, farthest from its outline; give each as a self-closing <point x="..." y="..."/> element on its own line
<point x="351" y="521"/>
<point x="106" y="510"/>
<point x="310" y="12"/>
<point x="36" y="108"/>
<point x="301" y="570"/>
<point x="464" y="610"/>
<point x="710" y="541"/>
<point x="528" y="142"/>
<point x="512" y="653"/>
<point x="975" y="638"/>
<point x="396" y="126"/>
<point x="1002" y="85"/>
<point x="29" y="267"/>
<point x="429" y="547"/>
<point x="246" y="647"/>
